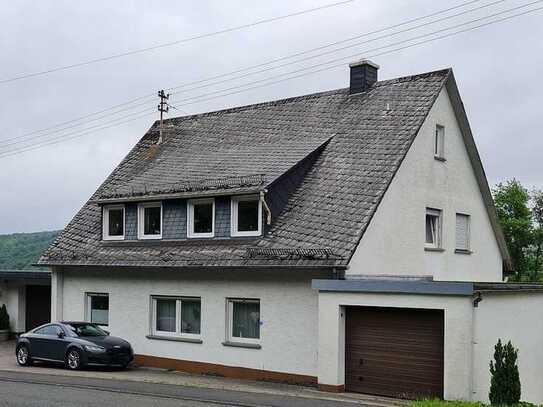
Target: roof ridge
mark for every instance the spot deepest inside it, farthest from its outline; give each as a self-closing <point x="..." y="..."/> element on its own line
<point x="235" y="109"/>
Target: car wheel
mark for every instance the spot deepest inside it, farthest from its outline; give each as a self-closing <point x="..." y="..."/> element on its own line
<point x="73" y="359"/>
<point x="23" y="356"/>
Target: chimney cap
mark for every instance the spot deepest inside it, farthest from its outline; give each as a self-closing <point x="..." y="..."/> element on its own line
<point x="364" y="62"/>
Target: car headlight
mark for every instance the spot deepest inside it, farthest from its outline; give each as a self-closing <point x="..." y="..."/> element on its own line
<point x="95" y="348"/>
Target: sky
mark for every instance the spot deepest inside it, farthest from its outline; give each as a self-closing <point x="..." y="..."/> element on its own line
<point x="496" y="67"/>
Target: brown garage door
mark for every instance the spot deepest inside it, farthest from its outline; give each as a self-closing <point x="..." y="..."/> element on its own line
<point x="394" y="352"/>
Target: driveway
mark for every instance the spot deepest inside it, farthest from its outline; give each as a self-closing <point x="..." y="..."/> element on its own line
<point x="152" y="379"/>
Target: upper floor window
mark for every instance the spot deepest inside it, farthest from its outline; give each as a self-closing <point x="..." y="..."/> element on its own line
<point x="113" y="222"/>
<point x="246" y="219"/>
<point x="201" y="218"/>
<point x="439" y="144"/>
<point x="433" y="228"/>
<point x="150" y="220"/>
<point x="462" y="233"/>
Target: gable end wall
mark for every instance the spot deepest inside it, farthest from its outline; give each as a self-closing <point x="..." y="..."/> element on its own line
<point x="393" y="244"/>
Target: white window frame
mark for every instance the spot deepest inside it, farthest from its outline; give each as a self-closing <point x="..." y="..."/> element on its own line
<point x="105" y="222"/>
<point x="190" y="217"/>
<point x="88" y="305"/>
<point x="178" y="305"/>
<point x="234" y="215"/>
<point x="439" y="142"/>
<point x="141" y="220"/>
<point x="230" y="321"/>
<point x="439" y="232"/>
<point x="468" y="233"/>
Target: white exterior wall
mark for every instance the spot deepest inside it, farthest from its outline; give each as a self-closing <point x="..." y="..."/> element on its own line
<point x="458" y="334"/>
<point x="288" y="308"/>
<point x="514" y="317"/>
<point x="13" y="295"/>
<point x="394" y="241"/>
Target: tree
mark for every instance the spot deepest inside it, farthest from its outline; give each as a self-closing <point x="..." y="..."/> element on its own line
<point x="505" y="379"/>
<point x="512" y="204"/>
<point x="537" y="234"/>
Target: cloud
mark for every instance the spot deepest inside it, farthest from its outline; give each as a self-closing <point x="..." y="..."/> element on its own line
<point x="497" y="69"/>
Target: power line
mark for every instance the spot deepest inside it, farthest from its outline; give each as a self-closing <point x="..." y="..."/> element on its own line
<point x="172" y="43"/>
<point x="370" y="56"/>
<point x="3" y="143"/>
<point x="62" y="136"/>
<point x="335" y="50"/>
<point x="45" y="144"/>
<point x="148" y="96"/>
<point x="349" y="57"/>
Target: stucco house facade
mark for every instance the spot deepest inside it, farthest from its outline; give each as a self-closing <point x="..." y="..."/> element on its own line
<point x="345" y="239"/>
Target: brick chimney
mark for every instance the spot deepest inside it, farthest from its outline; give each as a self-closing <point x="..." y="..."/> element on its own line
<point x="363" y="75"/>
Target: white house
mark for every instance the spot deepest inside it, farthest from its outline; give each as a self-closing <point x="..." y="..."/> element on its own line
<point x="346" y="238"/>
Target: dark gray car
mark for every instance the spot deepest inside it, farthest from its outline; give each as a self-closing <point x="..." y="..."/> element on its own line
<point x="76" y="344"/>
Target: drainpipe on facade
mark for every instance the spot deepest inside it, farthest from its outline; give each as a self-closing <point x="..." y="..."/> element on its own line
<point x="477" y="298"/>
<point x="266" y="208"/>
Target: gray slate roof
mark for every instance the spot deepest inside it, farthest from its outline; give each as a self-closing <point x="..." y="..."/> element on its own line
<point x="360" y="145"/>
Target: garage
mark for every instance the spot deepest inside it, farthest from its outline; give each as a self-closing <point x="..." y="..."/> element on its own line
<point x="396" y="352"/>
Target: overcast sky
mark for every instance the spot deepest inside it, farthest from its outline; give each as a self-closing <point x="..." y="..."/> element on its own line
<point x="497" y="69"/>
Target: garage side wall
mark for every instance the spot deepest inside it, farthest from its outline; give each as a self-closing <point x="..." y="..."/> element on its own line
<point x="514" y="317"/>
<point x="458" y="335"/>
<point x="288" y="311"/>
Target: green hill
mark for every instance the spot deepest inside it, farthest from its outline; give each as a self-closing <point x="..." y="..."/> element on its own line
<point x="19" y="251"/>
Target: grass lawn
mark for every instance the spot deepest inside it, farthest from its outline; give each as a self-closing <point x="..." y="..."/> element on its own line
<point x="441" y="403"/>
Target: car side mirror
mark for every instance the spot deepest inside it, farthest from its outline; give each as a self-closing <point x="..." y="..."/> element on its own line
<point x="107" y="332"/>
<point x="61" y="334"/>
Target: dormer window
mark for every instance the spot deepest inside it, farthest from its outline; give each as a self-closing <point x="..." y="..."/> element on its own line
<point x="201" y="218"/>
<point x="150" y="220"/>
<point x="113" y="222"/>
<point x="246" y="219"/>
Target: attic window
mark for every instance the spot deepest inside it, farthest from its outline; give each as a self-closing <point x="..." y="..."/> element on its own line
<point x="150" y="220"/>
<point x="201" y="218"/>
<point x="246" y="218"/>
<point x="439" y="144"/>
<point x="113" y="222"/>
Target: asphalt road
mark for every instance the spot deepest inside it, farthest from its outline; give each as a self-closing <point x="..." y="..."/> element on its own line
<point x="37" y="390"/>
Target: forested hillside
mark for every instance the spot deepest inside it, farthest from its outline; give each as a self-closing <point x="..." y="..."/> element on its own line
<point x="19" y="251"/>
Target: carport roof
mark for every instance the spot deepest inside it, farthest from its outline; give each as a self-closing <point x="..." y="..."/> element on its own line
<point x="25" y="274"/>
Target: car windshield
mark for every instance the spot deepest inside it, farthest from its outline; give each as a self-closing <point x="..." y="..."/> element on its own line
<point x="86" y="330"/>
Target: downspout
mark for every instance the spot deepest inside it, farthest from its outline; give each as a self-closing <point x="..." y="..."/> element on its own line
<point x="266" y="207"/>
<point x="476" y="300"/>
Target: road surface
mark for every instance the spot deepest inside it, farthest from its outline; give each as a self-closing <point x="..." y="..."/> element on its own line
<point x="37" y="390"/>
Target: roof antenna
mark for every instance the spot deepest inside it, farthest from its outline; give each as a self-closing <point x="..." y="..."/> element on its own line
<point x="163" y="107"/>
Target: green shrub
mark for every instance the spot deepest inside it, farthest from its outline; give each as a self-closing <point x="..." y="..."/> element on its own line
<point x="4" y="318"/>
<point x="505" y="380"/>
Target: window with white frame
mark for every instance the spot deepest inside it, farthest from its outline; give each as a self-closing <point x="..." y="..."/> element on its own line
<point x="113" y="222"/>
<point x="176" y="316"/>
<point x="433" y="228"/>
<point x="462" y="232"/>
<point x="150" y="220"/>
<point x="439" y="144"/>
<point x="97" y="308"/>
<point x="201" y="218"/>
<point x="246" y="216"/>
<point x="243" y="318"/>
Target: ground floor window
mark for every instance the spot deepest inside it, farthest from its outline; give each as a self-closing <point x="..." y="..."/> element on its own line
<point x="176" y="316"/>
<point x="243" y="317"/>
<point x="98" y="308"/>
